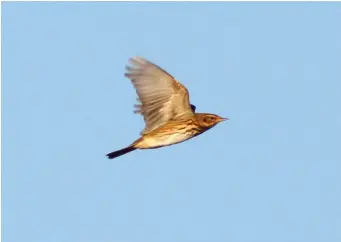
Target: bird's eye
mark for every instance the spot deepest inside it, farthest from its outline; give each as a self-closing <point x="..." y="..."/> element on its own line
<point x="208" y="119"/>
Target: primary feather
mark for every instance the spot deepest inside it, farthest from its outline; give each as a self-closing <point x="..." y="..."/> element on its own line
<point x="162" y="98"/>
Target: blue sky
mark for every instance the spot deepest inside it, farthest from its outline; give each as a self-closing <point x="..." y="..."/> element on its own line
<point x="269" y="174"/>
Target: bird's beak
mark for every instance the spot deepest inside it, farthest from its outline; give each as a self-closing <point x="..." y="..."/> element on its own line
<point x="223" y="119"/>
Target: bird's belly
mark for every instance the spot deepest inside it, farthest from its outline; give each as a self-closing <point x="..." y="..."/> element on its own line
<point x="160" y="141"/>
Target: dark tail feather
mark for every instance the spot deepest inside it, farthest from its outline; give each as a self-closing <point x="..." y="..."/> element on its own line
<point x="117" y="153"/>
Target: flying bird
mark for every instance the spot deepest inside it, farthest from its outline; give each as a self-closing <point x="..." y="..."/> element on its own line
<point x="169" y="116"/>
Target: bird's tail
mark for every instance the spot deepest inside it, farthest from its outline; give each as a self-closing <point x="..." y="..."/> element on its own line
<point x="117" y="153"/>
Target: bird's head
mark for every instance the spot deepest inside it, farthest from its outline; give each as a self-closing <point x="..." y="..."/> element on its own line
<point x="209" y="120"/>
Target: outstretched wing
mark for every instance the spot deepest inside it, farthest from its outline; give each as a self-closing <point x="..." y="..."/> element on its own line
<point x="161" y="97"/>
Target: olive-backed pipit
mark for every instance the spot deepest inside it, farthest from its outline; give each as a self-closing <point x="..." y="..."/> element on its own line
<point x="165" y="106"/>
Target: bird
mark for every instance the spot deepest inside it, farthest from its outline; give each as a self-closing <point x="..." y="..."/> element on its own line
<point x="164" y="103"/>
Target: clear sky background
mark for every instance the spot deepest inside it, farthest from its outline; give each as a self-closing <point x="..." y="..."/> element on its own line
<point x="269" y="174"/>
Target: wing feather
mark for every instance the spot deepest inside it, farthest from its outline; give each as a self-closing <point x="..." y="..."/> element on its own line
<point x="161" y="97"/>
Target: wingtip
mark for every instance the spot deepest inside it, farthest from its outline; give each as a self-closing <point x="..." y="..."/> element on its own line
<point x="137" y="59"/>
